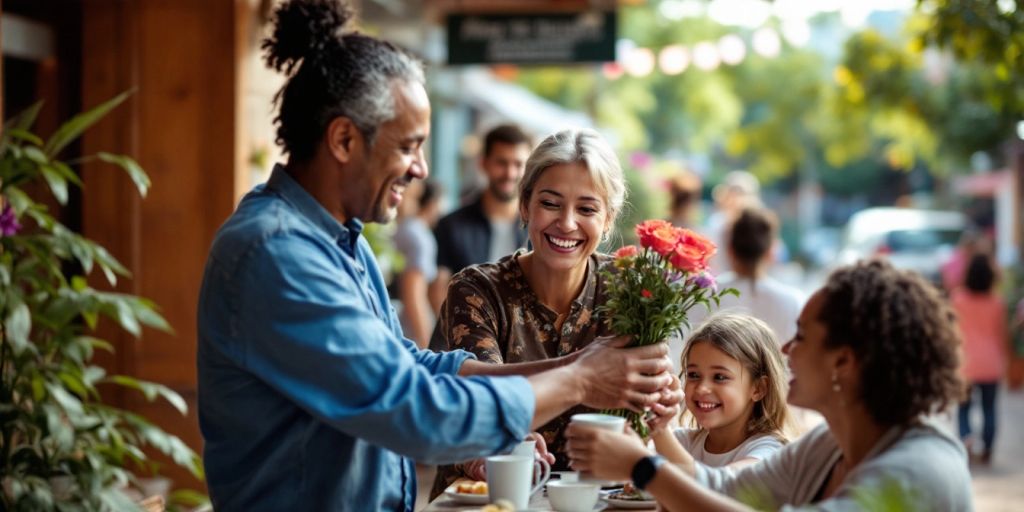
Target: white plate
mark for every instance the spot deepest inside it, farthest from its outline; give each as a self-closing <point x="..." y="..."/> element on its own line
<point x="628" y="504"/>
<point x="466" y="499"/>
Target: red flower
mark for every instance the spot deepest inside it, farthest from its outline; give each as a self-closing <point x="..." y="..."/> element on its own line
<point x="625" y="252"/>
<point x="646" y="293"/>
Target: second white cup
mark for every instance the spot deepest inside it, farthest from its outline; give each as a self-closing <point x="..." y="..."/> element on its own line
<point x="508" y="478"/>
<point x="541" y="468"/>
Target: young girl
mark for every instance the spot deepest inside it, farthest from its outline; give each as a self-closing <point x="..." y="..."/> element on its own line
<point x="735" y="386"/>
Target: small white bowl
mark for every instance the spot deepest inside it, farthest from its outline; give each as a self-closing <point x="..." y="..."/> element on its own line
<point x="573" y="496"/>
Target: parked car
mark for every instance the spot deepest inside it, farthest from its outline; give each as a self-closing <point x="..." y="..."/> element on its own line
<point x="920" y="240"/>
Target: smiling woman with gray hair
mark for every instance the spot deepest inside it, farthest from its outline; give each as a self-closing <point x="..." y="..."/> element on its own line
<point x="540" y="305"/>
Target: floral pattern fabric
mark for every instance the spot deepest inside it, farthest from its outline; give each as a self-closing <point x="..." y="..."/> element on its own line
<point x="492" y="311"/>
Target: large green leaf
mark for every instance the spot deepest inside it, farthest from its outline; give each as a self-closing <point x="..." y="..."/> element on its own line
<point x="70" y="130"/>
<point x="132" y="168"/>
<point x="17" y="326"/>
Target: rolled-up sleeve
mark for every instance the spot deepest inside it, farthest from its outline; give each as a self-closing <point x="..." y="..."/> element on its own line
<point x="311" y="336"/>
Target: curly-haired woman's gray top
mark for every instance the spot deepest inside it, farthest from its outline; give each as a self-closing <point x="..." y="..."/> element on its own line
<point x="917" y="467"/>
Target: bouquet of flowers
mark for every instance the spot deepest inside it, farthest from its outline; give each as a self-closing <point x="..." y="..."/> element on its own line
<point x="652" y="287"/>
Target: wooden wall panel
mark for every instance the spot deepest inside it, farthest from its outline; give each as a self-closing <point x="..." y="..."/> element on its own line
<point x="182" y="127"/>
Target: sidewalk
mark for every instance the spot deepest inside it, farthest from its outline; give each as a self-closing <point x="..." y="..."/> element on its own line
<point x="1000" y="487"/>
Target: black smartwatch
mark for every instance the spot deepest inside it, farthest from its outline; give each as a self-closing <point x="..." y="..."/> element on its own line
<point x="645" y="469"/>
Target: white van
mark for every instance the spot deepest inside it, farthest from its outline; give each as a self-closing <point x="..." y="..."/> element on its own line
<point x="920" y="240"/>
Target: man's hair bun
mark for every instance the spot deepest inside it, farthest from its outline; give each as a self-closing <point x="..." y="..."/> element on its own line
<point x="303" y="29"/>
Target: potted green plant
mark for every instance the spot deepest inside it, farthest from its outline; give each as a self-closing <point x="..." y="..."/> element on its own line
<point x="61" y="446"/>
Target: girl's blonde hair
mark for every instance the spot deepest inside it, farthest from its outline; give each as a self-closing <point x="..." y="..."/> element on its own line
<point x="751" y="342"/>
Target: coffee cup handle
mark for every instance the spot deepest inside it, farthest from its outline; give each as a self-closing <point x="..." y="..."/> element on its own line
<point x="542" y="468"/>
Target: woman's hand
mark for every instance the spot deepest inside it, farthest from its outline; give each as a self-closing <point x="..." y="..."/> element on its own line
<point x="475" y="469"/>
<point x="605" y="454"/>
<point x="541" y="447"/>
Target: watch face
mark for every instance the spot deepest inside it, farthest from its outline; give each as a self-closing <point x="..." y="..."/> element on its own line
<point x="645" y="469"/>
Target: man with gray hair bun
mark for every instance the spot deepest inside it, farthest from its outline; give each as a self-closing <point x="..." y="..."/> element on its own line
<point x="310" y="398"/>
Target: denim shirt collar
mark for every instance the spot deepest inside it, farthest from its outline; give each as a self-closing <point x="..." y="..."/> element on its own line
<point x="346" y="234"/>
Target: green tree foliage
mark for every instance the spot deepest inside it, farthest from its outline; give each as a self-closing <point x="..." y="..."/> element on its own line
<point x="989" y="32"/>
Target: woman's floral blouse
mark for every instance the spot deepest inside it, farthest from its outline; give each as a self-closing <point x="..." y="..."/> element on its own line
<point x="492" y="312"/>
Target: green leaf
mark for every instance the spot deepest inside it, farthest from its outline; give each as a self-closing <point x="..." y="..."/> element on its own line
<point x="66" y="172"/>
<point x="110" y="266"/>
<point x="98" y="343"/>
<point x="82" y="252"/>
<point x="17" y="326"/>
<point x="18" y="199"/>
<point x="24" y="119"/>
<point x="71" y="404"/>
<point x="58" y="185"/>
<point x="145" y="311"/>
<point x="59" y="430"/>
<point x="126" y="317"/>
<point x="151" y="390"/>
<point x="188" y="498"/>
<point x="35" y="154"/>
<point x="133" y="169"/>
<point x="25" y="135"/>
<point x="70" y="130"/>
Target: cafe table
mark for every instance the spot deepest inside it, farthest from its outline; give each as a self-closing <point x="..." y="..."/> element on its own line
<point x="538" y="502"/>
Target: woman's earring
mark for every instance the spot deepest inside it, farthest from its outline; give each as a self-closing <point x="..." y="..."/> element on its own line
<point x="607" y="235"/>
<point x="836" y="388"/>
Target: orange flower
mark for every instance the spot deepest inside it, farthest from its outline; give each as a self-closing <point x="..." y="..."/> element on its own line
<point x="658" y="235"/>
<point x="628" y="251"/>
<point x="645" y="230"/>
<point x="692" y="253"/>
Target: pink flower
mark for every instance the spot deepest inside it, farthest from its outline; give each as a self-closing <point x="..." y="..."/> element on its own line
<point x="9" y="224"/>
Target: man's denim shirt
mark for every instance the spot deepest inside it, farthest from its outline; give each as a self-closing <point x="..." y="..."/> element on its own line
<point x="310" y="398"/>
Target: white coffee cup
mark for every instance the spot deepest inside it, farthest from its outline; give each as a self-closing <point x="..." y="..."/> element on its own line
<point x="509" y="477"/>
<point x="599" y="421"/>
<point x="541" y="468"/>
<point x="567" y="496"/>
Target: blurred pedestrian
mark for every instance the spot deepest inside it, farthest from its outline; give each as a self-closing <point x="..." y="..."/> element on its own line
<point x="488" y="228"/>
<point x="982" y="317"/>
<point x="953" y="269"/>
<point x="737" y="190"/>
<point x="415" y="241"/>
<point x="684" y="199"/>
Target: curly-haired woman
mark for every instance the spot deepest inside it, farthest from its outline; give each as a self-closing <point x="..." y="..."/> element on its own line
<point x="876" y="351"/>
